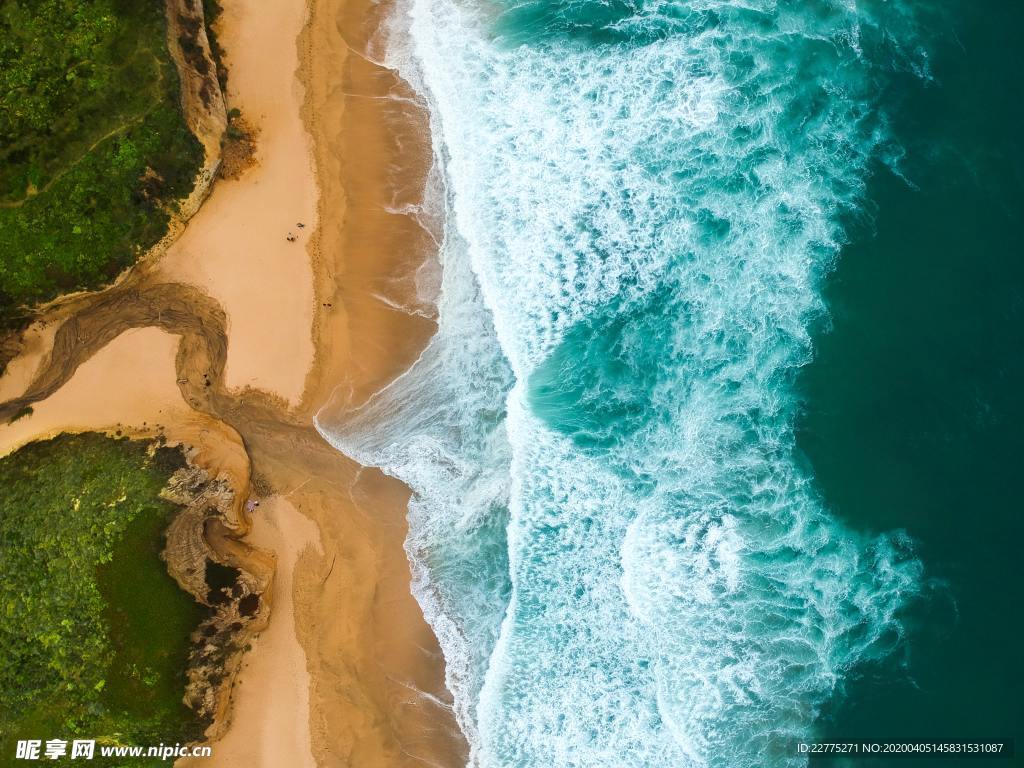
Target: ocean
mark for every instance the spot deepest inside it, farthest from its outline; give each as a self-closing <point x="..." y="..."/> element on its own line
<point x="714" y="449"/>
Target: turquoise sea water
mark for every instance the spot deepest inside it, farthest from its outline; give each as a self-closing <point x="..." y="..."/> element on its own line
<point x="670" y="508"/>
<point x="913" y="411"/>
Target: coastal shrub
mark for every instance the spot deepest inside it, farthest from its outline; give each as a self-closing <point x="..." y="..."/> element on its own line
<point x="95" y="632"/>
<point x="94" y="149"/>
<point x="211" y="12"/>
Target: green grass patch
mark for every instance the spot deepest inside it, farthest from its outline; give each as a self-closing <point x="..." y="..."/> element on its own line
<point x="95" y="633"/>
<point x="93" y="145"/>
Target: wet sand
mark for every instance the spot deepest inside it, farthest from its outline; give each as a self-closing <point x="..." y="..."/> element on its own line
<point x="379" y="674"/>
<point x="253" y="334"/>
<point x="372" y="145"/>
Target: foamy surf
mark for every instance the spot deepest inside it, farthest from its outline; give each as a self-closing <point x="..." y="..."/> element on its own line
<point x="612" y="534"/>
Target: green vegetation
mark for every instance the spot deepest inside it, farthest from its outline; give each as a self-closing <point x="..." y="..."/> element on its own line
<point x="211" y="12"/>
<point x="95" y="633"/>
<point x="93" y="145"/>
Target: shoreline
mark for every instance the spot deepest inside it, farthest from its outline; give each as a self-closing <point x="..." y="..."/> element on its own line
<point x="365" y="254"/>
<point x="373" y="152"/>
<point x="375" y="692"/>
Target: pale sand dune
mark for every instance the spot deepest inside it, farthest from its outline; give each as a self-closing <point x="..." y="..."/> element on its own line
<point x="235" y="247"/>
<point x="271" y="694"/>
<point x="127" y="384"/>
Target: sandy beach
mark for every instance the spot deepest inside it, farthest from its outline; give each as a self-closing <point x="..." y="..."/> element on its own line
<point x="271" y="698"/>
<point x="234" y="336"/>
<point x="236" y="247"/>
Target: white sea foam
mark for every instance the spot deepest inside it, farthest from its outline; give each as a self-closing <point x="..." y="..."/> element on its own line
<point x="447" y="441"/>
<point x="639" y="227"/>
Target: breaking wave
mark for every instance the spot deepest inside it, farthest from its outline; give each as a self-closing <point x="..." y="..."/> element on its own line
<point x="612" y="532"/>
